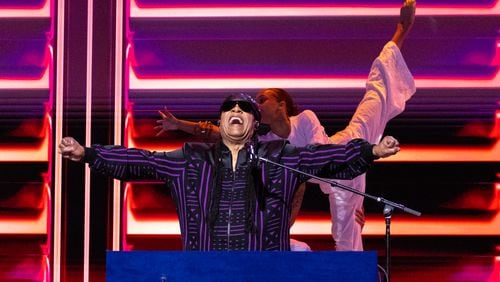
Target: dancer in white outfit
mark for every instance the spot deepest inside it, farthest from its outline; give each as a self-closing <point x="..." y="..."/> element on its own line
<point x="390" y="84"/>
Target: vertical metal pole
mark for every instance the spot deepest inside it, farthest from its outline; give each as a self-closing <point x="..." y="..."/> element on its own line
<point x="387" y="214"/>
<point x="118" y="119"/>
<point x="58" y="136"/>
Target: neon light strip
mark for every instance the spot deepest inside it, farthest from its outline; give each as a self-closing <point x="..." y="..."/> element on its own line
<point x="290" y="11"/>
<point x="153" y="226"/>
<point x="321" y="225"/>
<point x="307" y="83"/>
<point x="29" y="153"/>
<point x="88" y="141"/>
<point x="58" y="136"/>
<point x="125" y="246"/>
<point x="446" y="154"/>
<point x="35" y="12"/>
<point x="46" y="269"/>
<point x="453" y="154"/>
<point x="33" y="225"/>
<point x="118" y="120"/>
<point x="407" y="226"/>
<point x="37" y="83"/>
<point x="407" y="153"/>
<point x="169" y="225"/>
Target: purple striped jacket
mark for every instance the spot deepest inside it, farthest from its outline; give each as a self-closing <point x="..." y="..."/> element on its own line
<point x="189" y="172"/>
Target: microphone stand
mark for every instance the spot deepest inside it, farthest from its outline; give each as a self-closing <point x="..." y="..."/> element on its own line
<point x="388" y="205"/>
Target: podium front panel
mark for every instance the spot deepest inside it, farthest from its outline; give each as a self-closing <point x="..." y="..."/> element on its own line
<point x="240" y="266"/>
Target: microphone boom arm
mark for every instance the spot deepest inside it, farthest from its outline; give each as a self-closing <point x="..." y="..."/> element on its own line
<point x="350" y="189"/>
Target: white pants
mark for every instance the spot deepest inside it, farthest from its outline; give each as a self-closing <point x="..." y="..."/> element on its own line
<point x="345" y="230"/>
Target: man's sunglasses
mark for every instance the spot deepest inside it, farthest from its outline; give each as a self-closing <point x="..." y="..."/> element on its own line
<point x="244" y="106"/>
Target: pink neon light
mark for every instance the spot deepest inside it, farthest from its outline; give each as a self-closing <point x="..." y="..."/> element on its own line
<point x="33" y="152"/>
<point x="27" y="83"/>
<point x="321" y="225"/>
<point x="16" y="6"/>
<point x="301" y="10"/>
<point x="495" y="273"/>
<point x="446" y="154"/>
<point x="165" y="223"/>
<point x="496" y="58"/>
<point x="41" y="11"/>
<point x="33" y="59"/>
<point x="407" y="153"/>
<point x="32" y="224"/>
<point x="302" y="5"/>
<point x="136" y="82"/>
<point x="125" y="208"/>
<point x="495" y="132"/>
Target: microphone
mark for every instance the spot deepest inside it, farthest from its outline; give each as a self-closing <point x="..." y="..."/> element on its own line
<point x="252" y="154"/>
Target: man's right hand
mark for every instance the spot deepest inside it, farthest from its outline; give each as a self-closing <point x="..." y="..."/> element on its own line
<point x="69" y="148"/>
<point x="387" y="147"/>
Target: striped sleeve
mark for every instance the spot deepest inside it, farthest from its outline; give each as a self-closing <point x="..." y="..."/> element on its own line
<point x="334" y="161"/>
<point x="129" y="164"/>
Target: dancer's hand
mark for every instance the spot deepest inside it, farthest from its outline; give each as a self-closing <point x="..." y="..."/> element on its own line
<point x="168" y="122"/>
<point x="407" y="14"/>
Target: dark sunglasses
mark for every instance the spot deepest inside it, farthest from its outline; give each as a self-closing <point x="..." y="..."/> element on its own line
<point x="244" y="106"/>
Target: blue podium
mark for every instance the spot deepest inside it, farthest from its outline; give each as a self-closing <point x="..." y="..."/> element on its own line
<point x="169" y="266"/>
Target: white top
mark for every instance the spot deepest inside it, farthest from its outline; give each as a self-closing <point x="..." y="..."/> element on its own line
<point x="306" y="129"/>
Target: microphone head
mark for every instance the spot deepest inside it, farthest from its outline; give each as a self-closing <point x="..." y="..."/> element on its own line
<point x="388" y="210"/>
<point x="252" y="153"/>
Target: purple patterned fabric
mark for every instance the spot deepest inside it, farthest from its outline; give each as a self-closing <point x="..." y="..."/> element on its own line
<point x="190" y="173"/>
